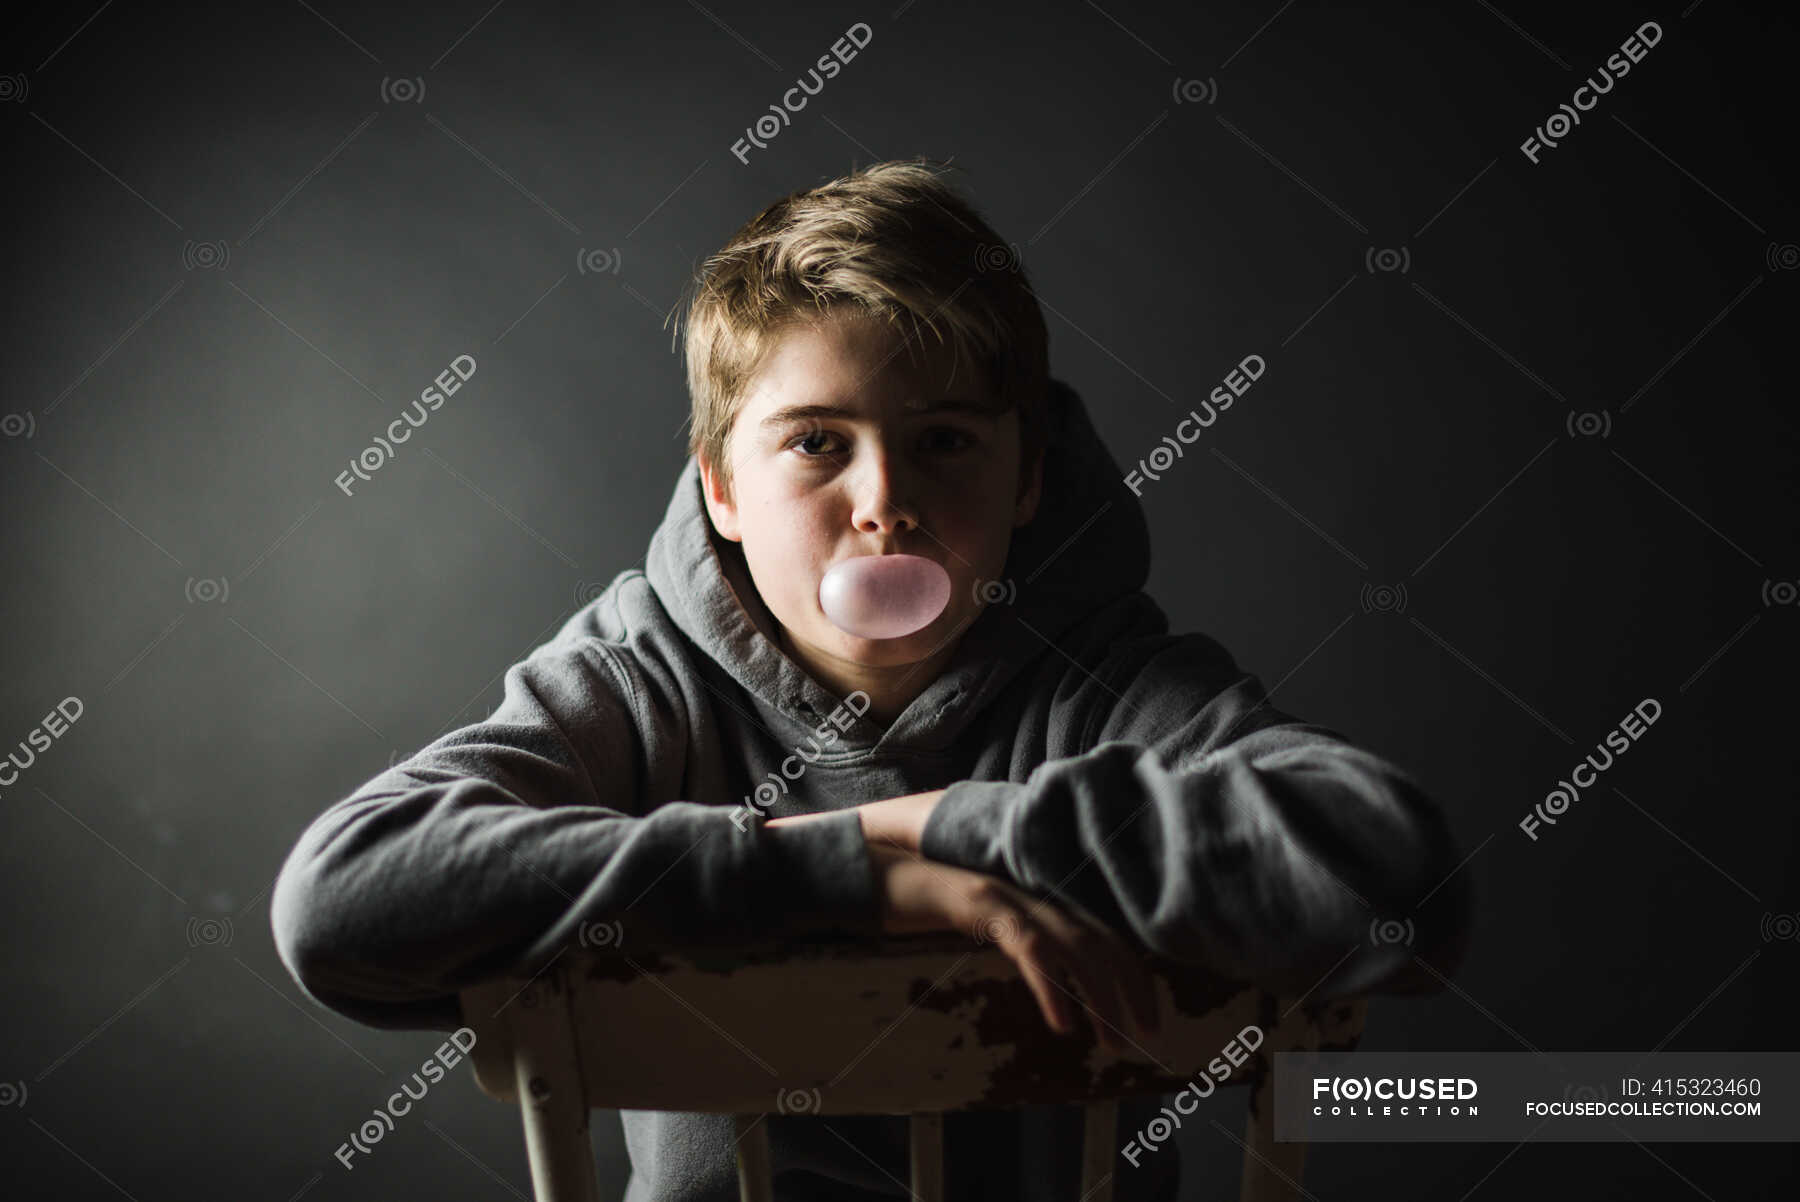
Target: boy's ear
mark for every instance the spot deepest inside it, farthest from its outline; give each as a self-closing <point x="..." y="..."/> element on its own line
<point x="1030" y="492"/>
<point x="720" y="508"/>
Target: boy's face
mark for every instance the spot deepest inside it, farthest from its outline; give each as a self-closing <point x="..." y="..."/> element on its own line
<point x="864" y="474"/>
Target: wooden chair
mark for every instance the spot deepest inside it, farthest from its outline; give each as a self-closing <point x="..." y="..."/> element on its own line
<point x="916" y="1025"/>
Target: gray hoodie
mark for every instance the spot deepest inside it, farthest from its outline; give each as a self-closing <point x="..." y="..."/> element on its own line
<point x="1135" y="776"/>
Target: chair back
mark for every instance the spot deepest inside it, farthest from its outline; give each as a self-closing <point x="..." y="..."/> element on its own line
<point x="916" y="1025"/>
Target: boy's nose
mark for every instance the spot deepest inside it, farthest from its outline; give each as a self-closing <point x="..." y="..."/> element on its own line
<point x="895" y="522"/>
<point x="882" y="517"/>
<point x="882" y="499"/>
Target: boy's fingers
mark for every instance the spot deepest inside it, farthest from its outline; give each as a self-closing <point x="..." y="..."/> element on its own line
<point x="1104" y="977"/>
<point x="1048" y="960"/>
<point x="1012" y="928"/>
<point x="1131" y="980"/>
<point x="1095" y="997"/>
<point x="1037" y="978"/>
<point x="1110" y="1020"/>
<point x="1080" y="988"/>
<point x="1092" y="953"/>
<point x="1136" y="980"/>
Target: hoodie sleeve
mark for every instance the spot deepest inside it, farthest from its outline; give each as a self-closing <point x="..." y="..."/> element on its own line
<point x="509" y="841"/>
<point x="1218" y="830"/>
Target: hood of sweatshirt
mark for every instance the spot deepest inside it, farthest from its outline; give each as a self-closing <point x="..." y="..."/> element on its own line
<point x="1086" y="547"/>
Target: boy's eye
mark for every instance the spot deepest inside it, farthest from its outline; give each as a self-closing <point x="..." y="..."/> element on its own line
<point x="816" y="452"/>
<point x="939" y="438"/>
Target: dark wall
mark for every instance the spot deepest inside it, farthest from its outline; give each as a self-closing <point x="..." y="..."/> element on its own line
<point x="1523" y="456"/>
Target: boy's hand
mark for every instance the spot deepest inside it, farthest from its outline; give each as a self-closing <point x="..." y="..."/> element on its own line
<point x="1048" y="945"/>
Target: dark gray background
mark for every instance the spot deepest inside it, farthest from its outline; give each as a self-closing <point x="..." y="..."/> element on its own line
<point x="174" y="425"/>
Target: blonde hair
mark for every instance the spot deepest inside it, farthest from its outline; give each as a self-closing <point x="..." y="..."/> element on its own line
<point x="891" y="241"/>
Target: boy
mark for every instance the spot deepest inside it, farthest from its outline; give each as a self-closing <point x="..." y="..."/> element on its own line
<point x="1041" y="757"/>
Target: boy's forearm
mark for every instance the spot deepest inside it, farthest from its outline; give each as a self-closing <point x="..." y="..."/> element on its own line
<point x="896" y="821"/>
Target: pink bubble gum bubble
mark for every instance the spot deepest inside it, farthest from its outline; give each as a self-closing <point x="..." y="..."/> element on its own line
<point x="884" y="596"/>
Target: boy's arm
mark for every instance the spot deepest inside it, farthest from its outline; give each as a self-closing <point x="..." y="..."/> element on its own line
<point x="506" y="842"/>
<point x="1219" y="830"/>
